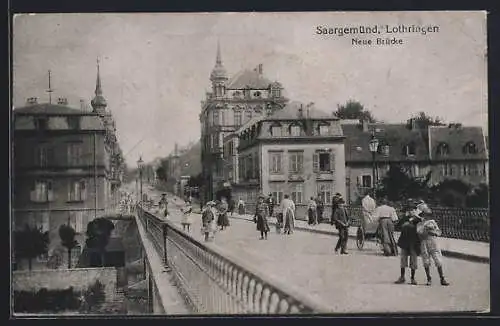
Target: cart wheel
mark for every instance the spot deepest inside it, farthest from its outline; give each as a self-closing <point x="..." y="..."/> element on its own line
<point x="360" y="238"/>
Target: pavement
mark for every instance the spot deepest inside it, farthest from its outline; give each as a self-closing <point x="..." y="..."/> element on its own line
<point x="361" y="282"/>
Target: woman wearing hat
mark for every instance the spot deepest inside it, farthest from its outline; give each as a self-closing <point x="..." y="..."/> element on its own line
<point x="208" y="221"/>
<point x="261" y="213"/>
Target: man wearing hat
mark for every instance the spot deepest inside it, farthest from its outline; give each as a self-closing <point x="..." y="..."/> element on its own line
<point x="410" y="245"/>
<point x="341" y="220"/>
<point x="335" y="200"/>
<point x="261" y="213"/>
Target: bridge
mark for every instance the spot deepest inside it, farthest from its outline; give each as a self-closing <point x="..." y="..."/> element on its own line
<point x="297" y="274"/>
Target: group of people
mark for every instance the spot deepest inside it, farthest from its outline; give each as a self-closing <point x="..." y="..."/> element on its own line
<point x="315" y="208"/>
<point x="213" y="216"/>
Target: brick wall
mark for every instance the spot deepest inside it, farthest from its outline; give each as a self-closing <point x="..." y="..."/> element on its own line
<point x="79" y="279"/>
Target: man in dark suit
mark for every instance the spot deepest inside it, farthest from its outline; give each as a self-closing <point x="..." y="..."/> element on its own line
<point x="341" y="221"/>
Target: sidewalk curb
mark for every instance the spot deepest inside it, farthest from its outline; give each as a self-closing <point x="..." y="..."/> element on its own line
<point x="447" y="253"/>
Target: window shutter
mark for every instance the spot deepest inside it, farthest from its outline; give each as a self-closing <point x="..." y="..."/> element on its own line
<point x="315" y="162"/>
<point x="83" y="191"/>
<point x="359" y="179"/>
<point x="50" y="195"/>
<point x="300" y="163"/>
<point x="33" y="195"/>
<point x="332" y="163"/>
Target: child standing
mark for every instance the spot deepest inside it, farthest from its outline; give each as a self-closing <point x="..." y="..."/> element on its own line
<point x="186" y="216"/>
<point x="429" y="232"/>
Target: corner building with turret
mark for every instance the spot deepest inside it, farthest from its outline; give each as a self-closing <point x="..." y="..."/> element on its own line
<point x="231" y="103"/>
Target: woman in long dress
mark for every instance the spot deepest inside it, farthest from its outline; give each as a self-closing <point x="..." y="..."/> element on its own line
<point x="261" y="214"/>
<point x="241" y="207"/>
<point x="208" y="221"/>
<point x="311" y="211"/>
<point x="223" y="219"/>
<point x="288" y="209"/>
<point x="186" y="216"/>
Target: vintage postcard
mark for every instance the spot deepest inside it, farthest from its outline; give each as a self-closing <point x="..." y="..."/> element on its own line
<point x="249" y="163"/>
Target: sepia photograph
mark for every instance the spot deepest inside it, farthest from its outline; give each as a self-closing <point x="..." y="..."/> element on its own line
<point x="249" y="163"/>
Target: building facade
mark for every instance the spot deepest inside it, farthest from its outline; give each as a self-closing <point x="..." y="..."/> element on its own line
<point x="296" y="151"/>
<point x="231" y="103"/>
<point x="448" y="152"/>
<point x="67" y="167"/>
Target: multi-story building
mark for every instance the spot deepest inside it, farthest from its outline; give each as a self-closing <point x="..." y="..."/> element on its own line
<point x="66" y="166"/>
<point x="449" y="152"/>
<point x="296" y="151"/>
<point x="232" y="103"/>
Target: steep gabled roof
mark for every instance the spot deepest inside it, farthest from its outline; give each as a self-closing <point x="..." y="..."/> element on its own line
<point x="456" y="137"/>
<point x="397" y="136"/>
<point x="248" y="78"/>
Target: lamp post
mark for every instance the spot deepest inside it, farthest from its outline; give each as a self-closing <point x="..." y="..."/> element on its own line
<point x="140" y="163"/>
<point x="373" y="148"/>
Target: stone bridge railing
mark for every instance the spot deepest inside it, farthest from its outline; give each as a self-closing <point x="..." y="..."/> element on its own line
<point x="460" y="223"/>
<point x="214" y="283"/>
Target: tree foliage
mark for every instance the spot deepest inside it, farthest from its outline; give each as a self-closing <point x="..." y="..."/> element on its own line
<point x="30" y="243"/>
<point x="353" y="110"/>
<point x="398" y="186"/>
<point x="423" y="120"/>
<point x="98" y="234"/>
<point x="67" y="235"/>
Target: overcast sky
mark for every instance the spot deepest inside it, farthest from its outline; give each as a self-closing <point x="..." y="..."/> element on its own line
<point x="155" y="67"/>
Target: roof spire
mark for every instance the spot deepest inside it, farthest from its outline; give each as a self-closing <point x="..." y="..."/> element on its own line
<point x="98" y="102"/>
<point x="218" y="59"/>
<point x="50" y="90"/>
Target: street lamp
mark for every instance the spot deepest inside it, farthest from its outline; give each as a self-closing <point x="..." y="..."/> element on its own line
<point x="373" y="145"/>
<point x="140" y="164"/>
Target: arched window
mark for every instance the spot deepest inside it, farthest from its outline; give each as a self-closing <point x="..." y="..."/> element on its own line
<point x="276" y="130"/>
<point x="470" y="148"/>
<point x="443" y="149"/>
<point x="295" y="130"/>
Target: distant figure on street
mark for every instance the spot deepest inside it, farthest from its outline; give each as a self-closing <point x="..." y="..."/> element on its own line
<point x="410" y="245"/>
<point x="241" y="207"/>
<point x="186" y="216"/>
<point x="208" y="221"/>
<point x="271" y="203"/>
<point x="341" y="221"/>
<point x="232" y="206"/>
<point x="261" y="214"/>
<point x="369" y="205"/>
<point x="163" y="205"/>
<point x="311" y="212"/>
<point x="429" y="233"/>
<point x="223" y="219"/>
<point x="386" y="216"/>
<point x="288" y="211"/>
<point x="319" y="209"/>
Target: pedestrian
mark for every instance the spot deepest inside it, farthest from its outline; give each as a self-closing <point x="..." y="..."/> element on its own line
<point x="271" y="202"/>
<point x="335" y="200"/>
<point x="261" y="214"/>
<point x="386" y="216"/>
<point x="369" y="205"/>
<point x="223" y="219"/>
<point x="208" y="221"/>
<point x="410" y="245"/>
<point x="319" y="208"/>
<point x="311" y="212"/>
<point x="232" y="205"/>
<point x="186" y="216"/>
<point x="429" y="232"/>
<point x="341" y="221"/>
<point x="288" y="211"/>
<point x="279" y="222"/>
<point x="241" y="207"/>
<point x="163" y="204"/>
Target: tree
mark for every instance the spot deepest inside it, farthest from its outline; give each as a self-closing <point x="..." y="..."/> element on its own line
<point x="397" y="185"/>
<point x="423" y="120"/>
<point x="98" y="234"/>
<point x="353" y="110"/>
<point x="30" y="243"/>
<point x="479" y="197"/>
<point x="67" y="235"/>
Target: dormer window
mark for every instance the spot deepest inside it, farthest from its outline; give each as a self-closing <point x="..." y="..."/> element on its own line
<point x="41" y="123"/>
<point x="295" y="130"/>
<point x="258" y="109"/>
<point x="410" y="149"/>
<point x="470" y="148"/>
<point x="443" y="149"/>
<point x="276" y="131"/>
<point x="275" y="90"/>
<point x="237" y="94"/>
<point x="74" y="122"/>
<point x="257" y="94"/>
<point x="323" y="130"/>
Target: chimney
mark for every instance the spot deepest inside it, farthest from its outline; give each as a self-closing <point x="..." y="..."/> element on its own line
<point x="259" y="69"/>
<point x="82" y="104"/>
<point x="364" y="125"/>
<point x="32" y="100"/>
<point x="413" y="124"/>
<point x="62" y="101"/>
<point x="300" y="112"/>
